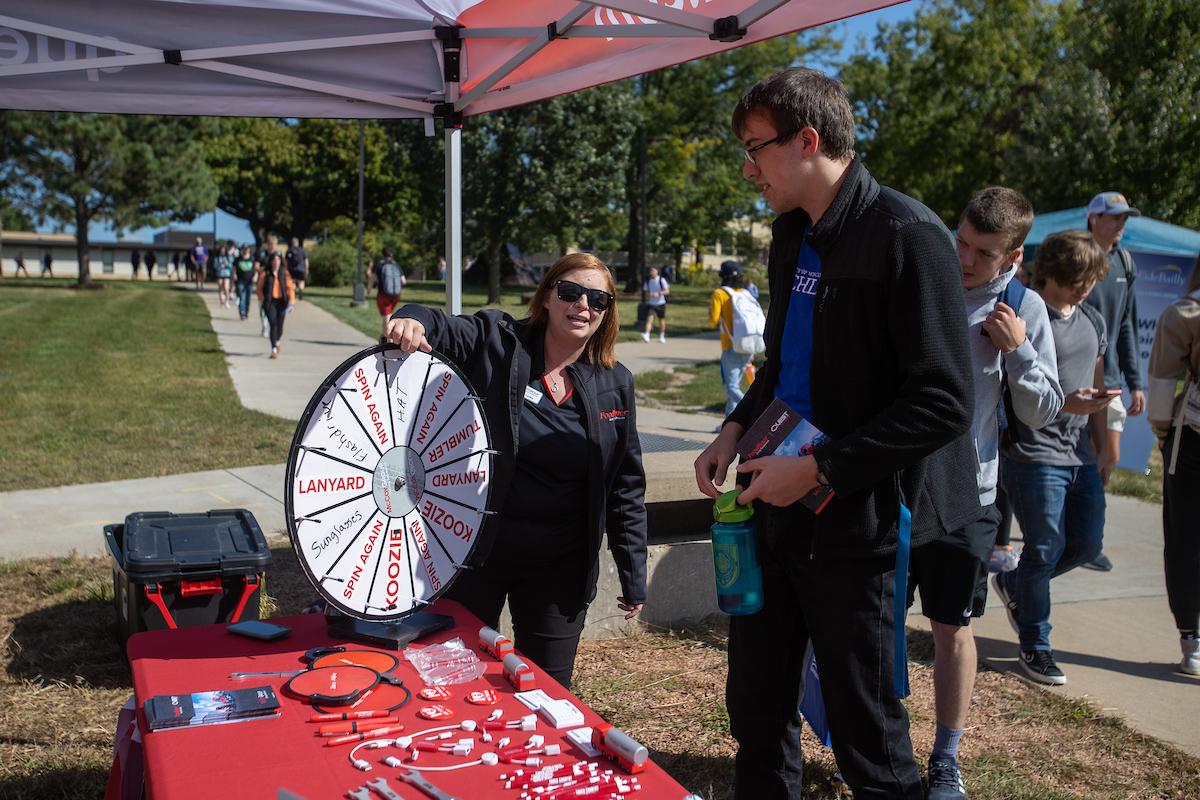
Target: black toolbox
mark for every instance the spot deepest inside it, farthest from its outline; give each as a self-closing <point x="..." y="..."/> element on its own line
<point x="178" y="570"/>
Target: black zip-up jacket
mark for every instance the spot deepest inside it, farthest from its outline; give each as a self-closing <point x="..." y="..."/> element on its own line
<point x="890" y="374"/>
<point x="494" y="352"/>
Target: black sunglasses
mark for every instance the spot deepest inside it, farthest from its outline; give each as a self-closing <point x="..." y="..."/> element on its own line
<point x="569" y="292"/>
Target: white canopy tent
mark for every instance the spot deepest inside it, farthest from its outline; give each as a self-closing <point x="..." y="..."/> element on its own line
<point x="375" y="59"/>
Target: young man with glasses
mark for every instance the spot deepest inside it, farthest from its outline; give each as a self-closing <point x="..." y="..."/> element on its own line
<point x="870" y="344"/>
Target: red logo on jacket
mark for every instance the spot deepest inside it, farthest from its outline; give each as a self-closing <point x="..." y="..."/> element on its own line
<point x="615" y="414"/>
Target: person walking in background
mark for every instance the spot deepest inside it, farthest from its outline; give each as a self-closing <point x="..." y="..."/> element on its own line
<point x="135" y="261"/>
<point x="244" y="274"/>
<point x="48" y="264"/>
<point x="1176" y="423"/>
<point x="269" y="248"/>
<point x="176" y="259"/>
<point x="1115" y="299"/>
<point x="297" y="264"/>
<point x="198" y="261"/>
<point x="20" y="261"/>
<point x="656" y="290"/>
<point x="224" y="266"/>
<point x="1052" y="473"/>
<point x="151" y="263"/>
<point x="277" y="294"/>
<point x="720" y="315"/>
<point x="441" y="268"/>
<point x="389" y="280"/>
<point x="1012" y="351"/>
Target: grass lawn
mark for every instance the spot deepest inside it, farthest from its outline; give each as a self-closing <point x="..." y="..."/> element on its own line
<point x="63" y="679"/>
<point x="122" y="381"/>
<point x="687" y="312"/>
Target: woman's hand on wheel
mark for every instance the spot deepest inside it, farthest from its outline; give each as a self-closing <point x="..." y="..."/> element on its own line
<point x="407" y="333"/>
<point x="631" y="610"/>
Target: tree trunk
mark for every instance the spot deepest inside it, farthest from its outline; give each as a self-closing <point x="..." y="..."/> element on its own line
<point x="633" y="197"/>
<point x="494" y="248"/>
<point x="81" y="242"/>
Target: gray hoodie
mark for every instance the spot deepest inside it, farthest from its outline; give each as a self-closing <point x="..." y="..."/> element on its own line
<point x="1032" y="375"/>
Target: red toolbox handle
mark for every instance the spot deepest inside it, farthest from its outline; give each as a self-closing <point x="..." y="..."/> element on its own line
<point x="154" y="595"/>
<point x="193" y="588"/>
<point x="251" y="584"/>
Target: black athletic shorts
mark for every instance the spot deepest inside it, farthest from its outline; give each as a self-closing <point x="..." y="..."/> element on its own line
<point x="952" y="572"/>
<point x="658" y="311"/>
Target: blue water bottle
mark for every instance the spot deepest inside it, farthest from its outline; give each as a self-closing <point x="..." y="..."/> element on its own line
<point x="735" y="556"/>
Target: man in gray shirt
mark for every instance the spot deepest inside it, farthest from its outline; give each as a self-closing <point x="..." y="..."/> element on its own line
<point x="1011" y="347"/>
<point x="1051" y="472"/>
<point x="1115" y="299"/>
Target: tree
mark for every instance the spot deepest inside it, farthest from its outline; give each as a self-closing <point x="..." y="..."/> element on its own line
<point x="76" y="169"/>
<point x="545" y="170"/>
<point x="290" y="176"/>
<point x="1144" y="53"/>
<point x="693" y="163"/>
<point x="1058" y="100"/>
<point x="942" y="106"/>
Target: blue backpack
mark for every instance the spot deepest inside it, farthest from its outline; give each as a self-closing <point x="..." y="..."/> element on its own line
<point x="1012" y="296"/>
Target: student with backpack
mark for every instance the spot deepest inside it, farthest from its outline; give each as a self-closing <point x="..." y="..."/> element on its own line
<point x="244" y="273"/>
<point x="1013" y="357"/>
<point x="1052" y="473"/>
<point x="390" y="280"/>
<point x="657" y="289"/>
<point x="742" y="325"/>
<point x="1176" y="422"/>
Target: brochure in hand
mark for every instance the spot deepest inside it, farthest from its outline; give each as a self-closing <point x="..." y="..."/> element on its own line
<point x="780" y="431"/>
<point x="210" y="708"/>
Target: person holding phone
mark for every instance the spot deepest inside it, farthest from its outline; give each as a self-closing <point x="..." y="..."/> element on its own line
<point x="1052" y="473"/>
<point x="561" y="413"/>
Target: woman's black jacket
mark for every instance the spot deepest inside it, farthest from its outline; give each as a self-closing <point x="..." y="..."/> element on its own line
<point x="890" y="373"/>
<point x="494" y="352"/>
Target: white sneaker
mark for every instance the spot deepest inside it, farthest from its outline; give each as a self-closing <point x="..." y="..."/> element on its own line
<point x="1190" y="665"/>
<point x="1003" y="559"/>
<point x="662" y="338"/>
<point x="645" y="336"/>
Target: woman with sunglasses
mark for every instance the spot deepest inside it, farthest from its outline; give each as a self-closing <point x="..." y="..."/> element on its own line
<point x="560" y="411"/>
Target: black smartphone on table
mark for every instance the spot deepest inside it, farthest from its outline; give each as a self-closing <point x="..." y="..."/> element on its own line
<point x="257" y="629"/>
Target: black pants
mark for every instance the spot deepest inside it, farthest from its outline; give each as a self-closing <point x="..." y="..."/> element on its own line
<point x="845" y="608"/>
<point x="1181" y="529"/>
<point x="276" y="308"/>
<point x="546" y="602"/>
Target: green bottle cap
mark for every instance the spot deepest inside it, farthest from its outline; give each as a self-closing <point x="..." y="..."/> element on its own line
<point x="726" y="508"/>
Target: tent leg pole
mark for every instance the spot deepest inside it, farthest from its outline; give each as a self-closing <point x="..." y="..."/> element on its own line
<point x="454" y="256"/>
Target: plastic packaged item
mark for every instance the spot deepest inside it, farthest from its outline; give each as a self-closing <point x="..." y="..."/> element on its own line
<point x="735" y="556"/>
<point x="445" y="664"/>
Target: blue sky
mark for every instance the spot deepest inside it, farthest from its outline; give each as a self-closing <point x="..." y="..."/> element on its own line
<point x="230" y="227"/>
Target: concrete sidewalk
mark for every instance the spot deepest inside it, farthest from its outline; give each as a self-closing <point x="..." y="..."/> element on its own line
<point x="1114" y="635"/>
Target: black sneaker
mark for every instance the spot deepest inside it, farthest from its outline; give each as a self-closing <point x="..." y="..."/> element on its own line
<point x="1100" y="563"/>
<point x="1010" y="605"/>
<point x="944" y="780"/>
<point x="1039" y="665"/>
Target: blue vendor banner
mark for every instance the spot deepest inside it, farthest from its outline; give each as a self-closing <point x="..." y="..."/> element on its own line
<point x="1160" y="281"/>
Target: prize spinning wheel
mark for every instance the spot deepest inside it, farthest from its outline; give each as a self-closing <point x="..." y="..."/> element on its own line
<point x="387" y="483"/>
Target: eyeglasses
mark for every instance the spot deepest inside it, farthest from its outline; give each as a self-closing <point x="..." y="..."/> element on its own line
<point x="569" y="292"/>
<point x="750" y="151"/>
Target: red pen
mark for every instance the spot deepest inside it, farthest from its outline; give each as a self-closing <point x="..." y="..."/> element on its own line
<point x="359" y="726"/>
<point x="349" y="715"/>
<point x="378" y="733"/>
